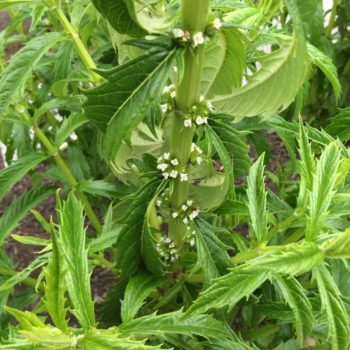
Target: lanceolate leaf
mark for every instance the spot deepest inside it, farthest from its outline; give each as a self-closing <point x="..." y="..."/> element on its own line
<point x="137" y="290"/>
<point x="294" y="294"/>
<point x="273" y="87"/>
<point x="257" y="200"/>
<point x="322" y="190"/>
<point x="325" y="64"/>
<point x="20" y="207"/>
<point x="120" y="104"/>
<point x="10" y="175"/>
<point x="333" y="306"/>
<point x="72" y="241"/>
<point x="55" y="287"/>
<point x="172" y="323"/>
<point x="227" y="290"/>
<point x="21" y="66"/>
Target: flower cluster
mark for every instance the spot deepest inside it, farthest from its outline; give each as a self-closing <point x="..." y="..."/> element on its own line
<point x="171" y="168"/>
<point x="196" y="154"/>
<point x="166" y="248"/>
<point x="187" y="212"/>
<point x="198" y="113"/>
<point x="168" y="96"/>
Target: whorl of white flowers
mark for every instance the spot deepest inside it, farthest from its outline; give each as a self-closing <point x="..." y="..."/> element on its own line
<point x="198" y="113"/>
<point x="186" y="213"/>
<point x="167" y="250"/>
<point x="171" y="168"/>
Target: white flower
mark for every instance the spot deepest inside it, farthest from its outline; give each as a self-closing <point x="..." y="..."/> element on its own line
<point x="164" y="107"/>
<point x="201" y="98"/>
<point x="167" y="240"/>
<point x="192" y="242"/>
<point x="194" y="214"/>
<point x="175" y="214"/>
<point x="175" y="69"/>
<point x="183" y="177"/>
<point x="73" y="136"/>
<point x="199" y="160"/>
<point x="173" y="94"/>
<point x="199" y="120"/>
<point x="210" y="106"/>
<point x="40" y="85"/>
<point x="189" y="202"/>
<point x="187" y="123"/>
<point x="173" y="174"/>
<point x="173" y="251"/>
<point x="178" y="33"/>
<point x="162" y="166"/>
<point x="168" y="88"/>
<point x="185" y="221"/>
<point x="198" y="39"/>
<point x="217" y="23"/>
<point x="184" y="207"/>
<point x="63" y="146"/>
<point x="158" y="203"/>
<point x="166" y="155"/>
<point x="174" y="161"/>
<point x="165" y="175"/>
<point x="172" y="245"/>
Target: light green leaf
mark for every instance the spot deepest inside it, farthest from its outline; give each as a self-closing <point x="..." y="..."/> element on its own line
<point x="31" y="240"/>
<point x="98" y="188"/>
<point x="120" y="104"/>
<point x="10" y="175"/>
<point x="294" y="295"/>
<point x="73" y="122"/>
<point x="20" y="207"/>
<point x="224" y="63"/>
<point x="273" y="87"/>
<point x="256" y="193"/>
<point x="333" y="306"/>
<point x="228" y="290"/>
<point x="21" y="65"/>
<point x="7" y="3"/>
<point x="322" y="192"/>
<point x="173" y="323"/>
<point x="104" y="241"/>
<point x="26" y="319"/>
<point x="72" y="242"/>
<point x="55" y="287"/>
<point x="137" y="290"/>
<point x="325" y="64"/>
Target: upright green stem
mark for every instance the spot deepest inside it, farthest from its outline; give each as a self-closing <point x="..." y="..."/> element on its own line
<point x="78" y="44"/>
<point x="332" y="19"/>
<point x="194" y="19"/>
<point x="71" y="180"/>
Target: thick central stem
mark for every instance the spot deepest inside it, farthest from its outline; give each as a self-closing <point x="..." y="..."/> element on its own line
<point x="194" y="19"/>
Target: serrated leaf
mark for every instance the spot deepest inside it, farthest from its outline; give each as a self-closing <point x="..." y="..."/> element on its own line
<point x="72" y="242"/>
<point x="256" y="194"/>
<point x="224" y="63"/>
<point x="21" y="65"/>
<point x="120" y="104"/>
<point x="291" y="259"/>
<point x="273" y="87"/>
<point x="173" y="323"/>
<point x="110" y="339"/>
<point x="63" y="61"/>
<point x="119" y="15"/>
<point x="98" y="188"/>
<point x="73" y="122"/>
<point x="322" y="190"/>
<point x="294" y="295"/>
<point x="333" y="306"/>
<point x="55" y="287"/>
<point x="228" y="290"/>
<point x="339" y="125"/>
<point x="10" y="175"/>
<point x="20" y="207"/>
<point x="325" y="64"/>
<point x="104" y="241"/>
<point x="137" y="290"/>
<point x="27" y="319"/>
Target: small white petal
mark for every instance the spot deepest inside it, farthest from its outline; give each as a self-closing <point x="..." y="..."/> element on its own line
<point x="199" y="160"/>
<point x="173" y="174"/>
<point x="158" y="203"/>
<point x="164" y="107"/>
<point x="187" y="123"/>
<point x="166" y="156"/>
<point x="199" y="120"/>
<point x="189" y="202"/>
<point x="173" y="94"/>
<point x="174" y="161"/>
<point x="178" y="33"/>
<point x="198" y="39"/>
<point x="183" y="177"/>
<point x="185" y="221"/>
<point x="217" y="23"/>
<point x="175" y="214"/>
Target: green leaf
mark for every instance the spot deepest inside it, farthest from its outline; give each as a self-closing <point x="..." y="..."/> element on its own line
<point x="10" y="175"/>
<point x="333" y="306"/>
<point x="137" y="290"/>
<point x="21" y="65"/>
<point x="325" y="64"/>
<point x="129" y="240"/>
<point x="63" y="61"/>
<point x="224" y="63"/>
<point x="339" y="125"/>
<point x="99" y="188"/>
<point x="291" y="259"/>
<point x="55" y="287"/>
<point x="228" y="290"/>
<point x="109" y="339"/>
<point x="322" y="190"/>
<point x="7" y="3"/>
<point x="173" y="323"/>
<point x="72" y="242"/>
<point x="120" y="104"/>
<point x="26" y="319"/>
<point x="273" y="87"/>
<point x="121" y="16"/>
<point x="294" y="295"/>
<point x="20" y="207"/>
<point x="104" y="241"/>
<point x="256" y="193"/>
<point x="73" y="122"/>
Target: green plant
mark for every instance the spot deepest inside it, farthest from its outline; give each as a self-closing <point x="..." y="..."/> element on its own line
<point x="144" y="112"/>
